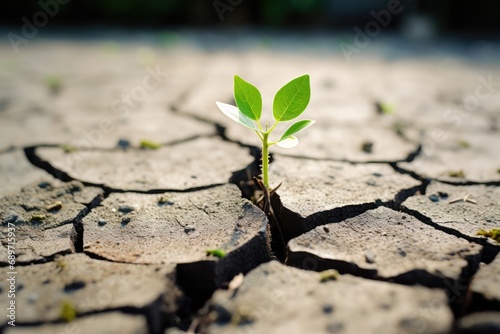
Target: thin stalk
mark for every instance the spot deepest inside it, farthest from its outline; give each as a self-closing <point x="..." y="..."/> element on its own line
<point x="265" y="159"/>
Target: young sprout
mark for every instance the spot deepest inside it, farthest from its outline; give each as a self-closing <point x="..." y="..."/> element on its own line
<point x="289" y="102"/>
<point x="220" y="253"/>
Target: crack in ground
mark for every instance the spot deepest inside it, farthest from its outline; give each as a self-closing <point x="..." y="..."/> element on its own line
<point x="404" y="194"/>
<point x="151" y="312"/>
<point x="453" y="183"/>
<point x="45" y="259"/>
<point x="409" y="158"/>
<point x="470" y="183"/>
<point x="295" y="225"/>
<point x="456" y="290"/>
<point x="489" y="251"/>
<point x="37" y="161"/>
<point x="75" y="237"/>
<point x="414" y="175"/>
<point x="244" y="180"/>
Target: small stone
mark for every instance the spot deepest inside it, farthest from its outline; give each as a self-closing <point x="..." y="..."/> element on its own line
<point x="326" y="229"/>
<point x="101" y="222"/>
<point x="327" y="308"/>
<point x="434" y="198"/>
<point x="125" y="208"/>
<point x="369" y="256"/>
<point x="43" y="185"/>
<point x="32" y="297"/>
<point x="442" y="195"/>
<point x="189" y="228"/>
<point x="163" y="200"/>
<point x="123" y="143"/>
<point x="367" y="147"/>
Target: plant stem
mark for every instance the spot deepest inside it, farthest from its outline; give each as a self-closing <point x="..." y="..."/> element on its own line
<point x="265" y="159"/>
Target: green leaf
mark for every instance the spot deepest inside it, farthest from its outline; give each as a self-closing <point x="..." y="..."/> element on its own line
<point x="248" y="98"/>
<point x="292" y="99"/>
<point x="236" y="115"/>
<point x="297" y="127"/>
<point x="288" y="142"/>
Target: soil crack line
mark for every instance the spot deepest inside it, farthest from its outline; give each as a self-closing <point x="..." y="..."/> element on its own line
<point x="35" y="160"/>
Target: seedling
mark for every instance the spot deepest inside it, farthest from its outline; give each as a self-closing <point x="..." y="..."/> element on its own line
<point x="54" y="206"/>
<point x="494" y="234"/>
<point x="68" y="311"/>
<point x="220" y="253"/>
<point x="149" y="145"/>
<point x="38" y="217"/>
<point x="385" y="108"/>
<point x="328" y="275"/>
<point x="54" y="83"/>
<point x="289" y="102"/>
<point x="456" y="173"/>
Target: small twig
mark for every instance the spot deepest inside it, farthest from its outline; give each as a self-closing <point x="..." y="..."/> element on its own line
<point x="464" y="199"/>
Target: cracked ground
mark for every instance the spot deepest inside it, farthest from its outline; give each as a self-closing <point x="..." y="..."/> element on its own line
<point x="118" y="173"/>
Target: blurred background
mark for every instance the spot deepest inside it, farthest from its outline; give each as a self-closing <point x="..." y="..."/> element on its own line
<point x="446" y="16"/>
<point x="67" y="65"/>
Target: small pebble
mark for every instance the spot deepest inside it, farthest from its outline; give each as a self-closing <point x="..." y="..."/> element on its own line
<point x="443" y="194"/>
<point x="327" y="308"/>
<point x="123" y="143"/>
<point x="189" y="228"/>
<point x="326" y="229"/>
<point x="101" y="222"/>
<point x="367" y="147"/>
<point x="369" y="256"/>
<point x="32" y="298"/>
<point x="43" y="185"/>
<point x="434" y="198"/>
<point x="125" y="208"/>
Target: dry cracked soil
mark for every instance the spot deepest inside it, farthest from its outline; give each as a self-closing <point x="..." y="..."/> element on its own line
<point x="115" y="185"/>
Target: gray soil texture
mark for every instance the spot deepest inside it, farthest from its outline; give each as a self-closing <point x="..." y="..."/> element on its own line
<point x="128" y="202"/>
